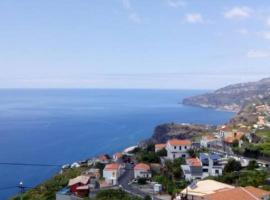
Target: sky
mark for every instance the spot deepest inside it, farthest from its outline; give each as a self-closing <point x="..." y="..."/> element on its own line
<point x="160" y="44"/>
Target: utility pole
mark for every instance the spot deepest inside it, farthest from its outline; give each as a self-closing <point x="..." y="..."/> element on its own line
<point x="21" y="187"/>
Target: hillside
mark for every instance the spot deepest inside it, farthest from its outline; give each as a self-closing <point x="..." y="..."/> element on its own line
<point x="232" y="97"/>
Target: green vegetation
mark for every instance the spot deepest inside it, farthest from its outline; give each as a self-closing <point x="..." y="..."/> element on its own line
<point x="249" y="176"/>
<point x="112" y="194"/>
<point x="147" y="155"/>
<point x="142" y="181"/>
<point x="232" y="166"/>
<point x="171" y="176"/>
<point x="261" y="149"/>
<point x="162" y="153"/>
<point x="47" y="190"/>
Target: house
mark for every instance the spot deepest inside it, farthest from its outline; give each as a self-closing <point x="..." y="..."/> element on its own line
<point x="159" y="147"/>
<point x="177" y="148"/>
<point x="224" y="131"/>
<point x="112" y="172"/>
<point x="193" y="169"/>
<point x="117" y="156"/>
<point x="261" y="121"/>
<point x="232" y="137"/>
<point x="209" y="140"/>
<point x="211" y="164"/>
<point x="79" y="185"/>
<point x="198" y="190"/>
<point x="239" y="193"/>
<point x="142" y="170"/>
<point x="94" y="173"/>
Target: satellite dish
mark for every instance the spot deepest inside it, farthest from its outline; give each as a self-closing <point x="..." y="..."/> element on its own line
<point x="193" y="185"/>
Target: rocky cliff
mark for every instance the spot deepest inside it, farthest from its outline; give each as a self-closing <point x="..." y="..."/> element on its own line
<point x="167" y="131"/>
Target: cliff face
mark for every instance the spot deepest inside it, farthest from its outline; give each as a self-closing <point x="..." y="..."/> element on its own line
<point x="167" y="131"/>
<point x="232" y="97"/>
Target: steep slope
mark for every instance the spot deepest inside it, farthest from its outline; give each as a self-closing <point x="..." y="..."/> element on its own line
<point x="232" y="97"/>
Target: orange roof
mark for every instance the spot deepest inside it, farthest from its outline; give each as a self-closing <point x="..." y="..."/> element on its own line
<point x="234" y="136"/>
<point x="240" y="193"/>
<point x="112" y="166"/>
<point x="176" y="142"/>
<point x="142" y="166"/>
<point x="79" y="179"/>
<point x="160" y="146"/>
<point x="195" y="162"/>
<point x="225" y="128"/>
<point x="209" y="137"/>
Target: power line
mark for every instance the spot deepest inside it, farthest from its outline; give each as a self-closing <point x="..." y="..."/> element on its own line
<point x="8" y="188"/>
<point x="30" y="164"/>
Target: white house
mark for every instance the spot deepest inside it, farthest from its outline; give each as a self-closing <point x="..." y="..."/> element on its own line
<point x="193" y="169"/>
<point x="142" y="170"/>
<point x="112" y="172"/>
<point x="211" y="164"/>
<point x="177" y="148"/>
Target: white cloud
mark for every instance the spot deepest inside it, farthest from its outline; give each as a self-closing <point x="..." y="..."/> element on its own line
<point x="176" y="3"/>
<point x="194" y="18"/>
<point x="134" y="17"/>
<point x="238" y="13"/>
<point x="258" y="53"/>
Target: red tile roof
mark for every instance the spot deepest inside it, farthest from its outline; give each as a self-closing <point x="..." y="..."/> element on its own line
<point x="112" y="166"/>
<point x="195" y="162"/>
<point x="234" y="136"/>
<point x="176" y="142"/>
<point x="240" y="193"/>
<point x="142" y="166"/>
<point x="160" y="146"/>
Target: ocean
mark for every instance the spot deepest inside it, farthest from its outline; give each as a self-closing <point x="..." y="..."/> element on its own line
<point x="59" y="126"/>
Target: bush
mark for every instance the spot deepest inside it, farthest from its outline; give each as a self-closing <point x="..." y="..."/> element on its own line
<point x="252" y="165"/>
<point x="141" y="181"/>
<point x="162" y="153"/>
<point x="147" y="197"/>
<point x="232" y="166"/>
<point x="112" y="194"/>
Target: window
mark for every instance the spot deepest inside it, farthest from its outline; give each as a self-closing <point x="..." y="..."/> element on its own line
<point x="185" y="147"/>
<point x="183" y="156"/>
<point x="180" y="148"/>
<point x="217" y="171"/>
<point x="174" y="147"/>
<point x="205" y="170"/>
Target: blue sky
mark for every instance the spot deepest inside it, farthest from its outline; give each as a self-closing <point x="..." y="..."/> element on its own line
<point x="201" y="44"/>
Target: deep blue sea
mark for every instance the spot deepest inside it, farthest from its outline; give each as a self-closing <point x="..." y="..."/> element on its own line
<point x="61" y="126"/>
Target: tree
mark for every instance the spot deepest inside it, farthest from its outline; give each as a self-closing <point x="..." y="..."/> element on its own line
<point x="193" y="153"/>
<point x="252" y="165"/>
<point x="232" y="166"/>
<point x="162" y="153"/>
<point x="141" y="181"/>
<point x="235" y="143"/>
<point x="147" y="197"/>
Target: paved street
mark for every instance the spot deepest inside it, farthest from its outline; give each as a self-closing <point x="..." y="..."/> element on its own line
<point x="126" y="178"/>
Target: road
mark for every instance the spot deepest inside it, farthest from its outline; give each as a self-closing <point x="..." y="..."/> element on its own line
<point x="127" y="177"/>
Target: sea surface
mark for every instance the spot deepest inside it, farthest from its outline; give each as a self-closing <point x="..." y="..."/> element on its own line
<point x="62" y="126"/>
